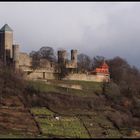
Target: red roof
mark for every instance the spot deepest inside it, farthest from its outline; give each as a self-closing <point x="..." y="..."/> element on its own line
<point x="104" y="68"/>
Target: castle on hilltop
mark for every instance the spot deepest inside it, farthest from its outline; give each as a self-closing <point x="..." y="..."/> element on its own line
<point x="62" y="69"/>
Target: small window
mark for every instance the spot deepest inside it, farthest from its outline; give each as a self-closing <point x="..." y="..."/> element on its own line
<point x="43" y="75"/>
<point x="51" y="65"/>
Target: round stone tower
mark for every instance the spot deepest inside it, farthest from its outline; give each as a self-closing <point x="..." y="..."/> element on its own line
<point x="62" y="56"/>
<point x="74" y="57"/>
<point x="15" y="52"/>
<point x="16" y="55"/>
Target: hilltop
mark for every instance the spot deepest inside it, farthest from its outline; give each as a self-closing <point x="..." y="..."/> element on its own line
<point x="83" y="113"/>
<point x="74" y="109"/>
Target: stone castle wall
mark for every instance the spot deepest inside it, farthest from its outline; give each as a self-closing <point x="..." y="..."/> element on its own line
<point x="25" y="60"/>
<point x="71" y="64"/>
<point x="47" y="71"/>
<point x="86" y="77"/>
<point x="41" y="75"/>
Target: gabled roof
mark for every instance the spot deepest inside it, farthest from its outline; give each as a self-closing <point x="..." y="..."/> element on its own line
<point x="6" y="28"/>
<point x="104" y="68"/>
<point x="104" y="65"/>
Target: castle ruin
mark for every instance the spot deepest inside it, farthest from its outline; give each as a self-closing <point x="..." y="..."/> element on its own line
<point x="64" y="69"/>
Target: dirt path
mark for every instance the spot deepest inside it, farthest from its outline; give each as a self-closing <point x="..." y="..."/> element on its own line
<point x="15" y="118"/>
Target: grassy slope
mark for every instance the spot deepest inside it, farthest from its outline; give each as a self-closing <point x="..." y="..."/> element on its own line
<point x="81" y="126"/>
<point x="96" y="124"/>
<point x="89" y="88"/>
<point x="68" y="126"/>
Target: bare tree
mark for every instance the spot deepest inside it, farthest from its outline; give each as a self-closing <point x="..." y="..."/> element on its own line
<point x="84" y="62"/>
<point x="43" y="53"/>
<point x="47" y="53"/>
<point x="119" y="68"/>
<point x="97" y="61"/>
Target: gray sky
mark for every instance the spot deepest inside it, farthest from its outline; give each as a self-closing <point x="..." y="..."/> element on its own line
<point x="108" y="29"/>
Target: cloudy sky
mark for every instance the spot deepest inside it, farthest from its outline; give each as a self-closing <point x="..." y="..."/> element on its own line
<point x="108" y="29"/>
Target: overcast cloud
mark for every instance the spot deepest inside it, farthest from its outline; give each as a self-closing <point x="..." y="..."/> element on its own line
<point x="108" y="29"/>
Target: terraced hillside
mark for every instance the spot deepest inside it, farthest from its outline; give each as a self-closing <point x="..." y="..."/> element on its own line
<point x="57" y="125"/>
<point x="53" y="125"/>
<point x="50" y="111"/>
<point x="15" y="119"/>
<point x="102" y="114"/>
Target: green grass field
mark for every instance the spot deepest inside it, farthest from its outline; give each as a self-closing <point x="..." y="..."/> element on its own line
<point x="66" y="127"/>
<point x="89" y="88"/>
<point x="86" y="85"/>
<point x="41" y="111"/>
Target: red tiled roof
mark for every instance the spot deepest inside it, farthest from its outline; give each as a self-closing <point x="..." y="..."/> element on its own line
<point x="104" y="68"/>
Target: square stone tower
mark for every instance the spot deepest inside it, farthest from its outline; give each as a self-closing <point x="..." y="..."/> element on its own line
<point x="6" y="42"/>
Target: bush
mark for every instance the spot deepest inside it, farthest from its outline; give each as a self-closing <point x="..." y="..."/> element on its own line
<point x="11" y="81"/>
<point x="30" y="89"/>
<point x="112" y="93"/>
<point x="136" y="107"/>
